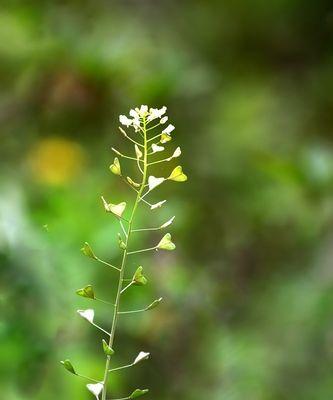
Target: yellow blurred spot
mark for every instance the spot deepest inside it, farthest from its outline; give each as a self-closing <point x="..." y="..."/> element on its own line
<point x="56" y="161"/>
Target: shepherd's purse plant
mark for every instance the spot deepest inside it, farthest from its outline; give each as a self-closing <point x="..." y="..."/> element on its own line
<point x="149" y="135"/>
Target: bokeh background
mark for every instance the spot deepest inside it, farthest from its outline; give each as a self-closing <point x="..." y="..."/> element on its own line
<point x="248" y="310"/>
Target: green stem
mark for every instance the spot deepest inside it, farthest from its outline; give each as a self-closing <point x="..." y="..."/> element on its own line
<point x="123" y="263"/>
<point x="142" y="250"/>
<point x="160" y="161"/>
<point x="132" y="312"/>
<point x="119" y="368"/>
<point x="126" y="287"/>
<point x="87" y="377"/>
<point x="106" y="263"/>
<point x="147" y="229"/>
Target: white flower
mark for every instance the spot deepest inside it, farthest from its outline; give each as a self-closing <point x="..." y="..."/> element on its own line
<point x="156" y="113"/>
<point x="95" y="388"/>
<point x="143" y="110"/>
<point x="87" y="314"/>
<point x="139" y="112"/>
<point x="136" y="124"/>
<point x="163" y="120"/>
<point x="168" y="129"/>
<point x="134" y="113"/>
<point x="125" y="121"/>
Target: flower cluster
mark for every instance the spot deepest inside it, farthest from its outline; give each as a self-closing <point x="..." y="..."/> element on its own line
<point x="139" y="114"/>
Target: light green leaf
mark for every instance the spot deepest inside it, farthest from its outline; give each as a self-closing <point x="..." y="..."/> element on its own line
<point x="165" y="138"/>
<point x="68" y="365"/>
<point x="138" y="278"/>
<point x="88" y="251"/>
<point x="178" y="175"/>
<point x="87" y="292"/>
<point x="107" y="349"/>
<point x="138" y="393"/>
<point x="116" y="209"/>
<point x="154" y="304"/>
<point x="166" y="243"/>
<point x="115" y="167"/>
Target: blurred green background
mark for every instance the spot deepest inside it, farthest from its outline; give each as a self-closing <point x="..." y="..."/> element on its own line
<point x="248" y="310"/>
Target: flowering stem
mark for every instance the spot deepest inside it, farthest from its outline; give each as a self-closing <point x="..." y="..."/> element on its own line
<point x="123" y="263"/>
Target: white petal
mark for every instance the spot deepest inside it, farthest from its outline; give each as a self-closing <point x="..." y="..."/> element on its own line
<point x="157" y="205"/>
<point x="156" y="148"/>
<point x="87" y="314"/>
<point x="124" y="120"/>
<point x="136" y="124"/>
<point x="95" y="388"/>
<point x="163" y="120"/>
<point x="134" y="114"/>
<point x="168" y="129"/>
<point x="169" y="222"/>
<point x="153" y="182"/>
<point x="156" y="113"/>
<point x="143" y="110"/>
<point x="140" y="357"/>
